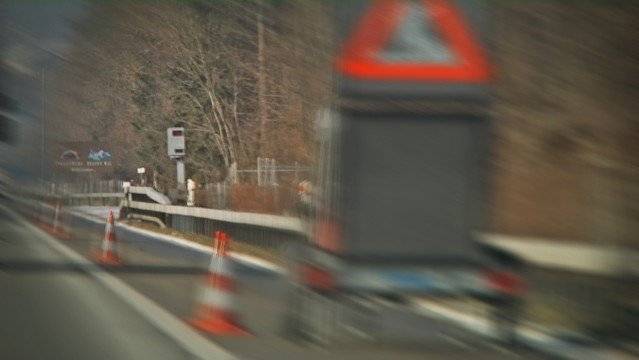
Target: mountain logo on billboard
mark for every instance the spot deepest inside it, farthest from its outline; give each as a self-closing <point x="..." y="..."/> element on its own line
<point x="98" y="156"/>
<point x="81" y="156"/>
<point x="70" y="155"/>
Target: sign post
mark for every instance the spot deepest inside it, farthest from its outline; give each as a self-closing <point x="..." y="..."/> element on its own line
<point x="142" y="177"/>
<point x="180" y="172"/>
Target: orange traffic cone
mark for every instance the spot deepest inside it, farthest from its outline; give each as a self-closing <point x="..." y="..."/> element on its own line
<point x="109" y="254"/>
<point x="215" y="313"/>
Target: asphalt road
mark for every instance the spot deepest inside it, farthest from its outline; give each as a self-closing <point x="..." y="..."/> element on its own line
<point x="51" y="309"/>
<point x="170" y="277"/>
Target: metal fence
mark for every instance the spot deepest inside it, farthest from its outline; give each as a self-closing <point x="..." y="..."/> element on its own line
<point x="85" y="187"/>
<point x="270" y="188"/>
<point x="269" y="173"/>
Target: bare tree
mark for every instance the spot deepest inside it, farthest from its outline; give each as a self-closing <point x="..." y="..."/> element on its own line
<point x="148" y="67"/>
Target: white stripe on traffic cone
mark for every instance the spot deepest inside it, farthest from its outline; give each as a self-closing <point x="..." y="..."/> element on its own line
<point x="216" y="310"/>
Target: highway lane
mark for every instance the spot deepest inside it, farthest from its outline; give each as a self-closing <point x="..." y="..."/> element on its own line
<point x="167" y="277"/>
<point x="51" y="309"/>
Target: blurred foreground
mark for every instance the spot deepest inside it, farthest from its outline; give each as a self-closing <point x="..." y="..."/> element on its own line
<point x="397" y="178"/>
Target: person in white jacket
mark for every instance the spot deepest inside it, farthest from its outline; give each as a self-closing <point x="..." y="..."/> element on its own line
<point x="190" y="195"/>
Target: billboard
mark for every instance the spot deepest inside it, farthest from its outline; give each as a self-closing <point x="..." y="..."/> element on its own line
<point x="82" y="157"/>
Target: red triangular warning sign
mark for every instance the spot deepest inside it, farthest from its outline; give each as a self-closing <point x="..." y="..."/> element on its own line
<point x="404" y="40"/>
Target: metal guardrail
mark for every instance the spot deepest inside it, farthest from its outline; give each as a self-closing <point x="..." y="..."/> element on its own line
<point x="92" y="198"/>
<point x="260" y="230"/>
<point x="263" y="230"/>
<point x="149" y="192"/>
<point x="284" y="223"/>
<point x="97" y="195"/>
<point x="273" y="231"/>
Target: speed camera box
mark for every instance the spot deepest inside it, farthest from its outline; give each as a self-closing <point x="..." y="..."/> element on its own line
<point x="175" y="142"/>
